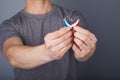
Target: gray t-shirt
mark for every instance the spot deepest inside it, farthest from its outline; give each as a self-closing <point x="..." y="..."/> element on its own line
<point x="32" y="30"/>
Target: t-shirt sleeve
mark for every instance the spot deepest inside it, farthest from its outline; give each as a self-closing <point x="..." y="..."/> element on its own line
<point x="7" y="30"/>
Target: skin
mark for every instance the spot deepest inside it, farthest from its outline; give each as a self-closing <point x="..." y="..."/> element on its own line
<point x="84" y="44"/>
<point x="56" y="44"/>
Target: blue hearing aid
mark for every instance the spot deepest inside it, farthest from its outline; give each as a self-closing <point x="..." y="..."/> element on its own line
<point x="71" y="22"/>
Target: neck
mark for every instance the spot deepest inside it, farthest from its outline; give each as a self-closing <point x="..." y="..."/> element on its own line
<point x="38" y="6"/>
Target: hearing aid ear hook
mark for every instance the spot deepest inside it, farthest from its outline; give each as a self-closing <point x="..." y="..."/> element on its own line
<point x="71" y="22"/>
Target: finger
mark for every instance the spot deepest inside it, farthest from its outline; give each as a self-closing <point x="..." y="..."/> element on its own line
<point x="85" y="39"/>
<point x="77" y="52"/>
<point x="58" y="33"/>
<point x="76" y="49"/>
<point x="81" y="36"/>
<point x="80" y="29"/>
<point x="84" y="48"/>
<point x="65" y="49"/>
<point x="84" y="31"/>
<point x="93" y="37"/>
<point x="78" y="42"/>
<point x="63" y="44"/>
<point x="91" y="44"/>
<point x="61" y="53"/>
<point x="61" y="39"/>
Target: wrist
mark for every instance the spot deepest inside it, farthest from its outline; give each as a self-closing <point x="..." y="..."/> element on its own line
<point x="48" y="53"/>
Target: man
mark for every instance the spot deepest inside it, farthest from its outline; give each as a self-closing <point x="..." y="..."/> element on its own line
<point x="38" y="46"/>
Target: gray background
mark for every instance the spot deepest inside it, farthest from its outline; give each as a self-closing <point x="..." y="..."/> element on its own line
<point x="104" y="15"/>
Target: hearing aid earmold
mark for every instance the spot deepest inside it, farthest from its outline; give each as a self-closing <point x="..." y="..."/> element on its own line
<point x="69" y="22"/>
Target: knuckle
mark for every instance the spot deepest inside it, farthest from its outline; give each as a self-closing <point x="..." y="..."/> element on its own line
<point x="93" y="46"/>
<point x="88" y="51"/>
<point x="95" y="39"/>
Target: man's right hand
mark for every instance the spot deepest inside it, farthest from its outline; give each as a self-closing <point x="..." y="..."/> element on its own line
<point x="58" y="43"/>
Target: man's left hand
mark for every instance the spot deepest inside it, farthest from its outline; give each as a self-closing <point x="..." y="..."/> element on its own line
<point x="84" y="43"/>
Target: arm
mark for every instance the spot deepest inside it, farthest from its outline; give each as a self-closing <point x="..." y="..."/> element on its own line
<point x="26" y="57"/>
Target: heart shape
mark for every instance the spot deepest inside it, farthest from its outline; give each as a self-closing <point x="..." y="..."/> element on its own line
<point x="71" y="22"/>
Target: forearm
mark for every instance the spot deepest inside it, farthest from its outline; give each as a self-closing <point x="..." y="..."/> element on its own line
<point x="28" y="57"/>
